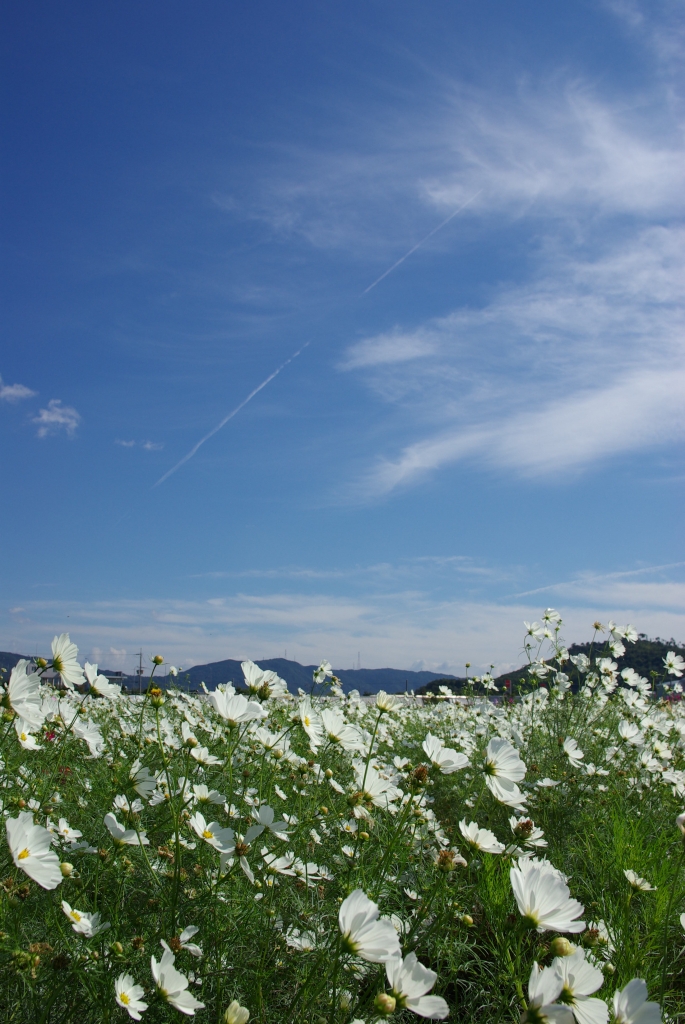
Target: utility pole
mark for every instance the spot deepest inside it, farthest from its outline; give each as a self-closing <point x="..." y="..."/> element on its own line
<point x="139" y="672"/>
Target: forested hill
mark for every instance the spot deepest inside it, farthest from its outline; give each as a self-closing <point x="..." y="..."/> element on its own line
<point x="645" y="656"/>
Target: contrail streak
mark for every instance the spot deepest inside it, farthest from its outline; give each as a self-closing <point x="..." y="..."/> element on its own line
<point x="419" y="244"/>
<point x="230" y="416"/>
<point x="234" y="412"/>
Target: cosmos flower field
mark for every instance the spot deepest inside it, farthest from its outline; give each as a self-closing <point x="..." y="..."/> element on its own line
<point x="325" y="859"/>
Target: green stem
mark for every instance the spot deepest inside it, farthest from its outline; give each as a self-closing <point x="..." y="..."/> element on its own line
<point x="667" y="921"/>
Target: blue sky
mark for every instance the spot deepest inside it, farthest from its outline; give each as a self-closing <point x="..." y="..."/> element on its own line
<point x="192" y="193"/>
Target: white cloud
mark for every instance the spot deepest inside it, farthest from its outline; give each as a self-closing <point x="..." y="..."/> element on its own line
<point x="15" y="392"/>
<point x="147" y="446"/>
<point x="584" y="363"/>
<point x="396" y="628"/>
<point x="394" y="347"/>
<point x="57" y="417"/>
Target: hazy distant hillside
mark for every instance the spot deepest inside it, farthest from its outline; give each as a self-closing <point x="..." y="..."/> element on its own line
<point x="366" y="680"/>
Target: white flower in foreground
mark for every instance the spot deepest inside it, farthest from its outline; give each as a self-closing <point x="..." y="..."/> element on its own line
<point x="222" y="839"/>
<point x="128" y="995"/>
<point x="674" y="664"/>
<point x="640" y="884"/>
<point x="386" y="701"/>
<point x="264" y="817"/>
<point x="442" y="757"/>
<point x="23" y="693"/>
<point x="409" y="981"/>
<point x="543" y="898"/>
<point x="64" y="655"/>
<point x="88" y="925"/>
<point x="203" y="795"/>
<point x="172" y="985"/>
<point x="379" y="791"/>
<point x="23" y="730"/>
<point x="203" y="756"/>
<point x="263" y="682"/>
<point x="581" y="979"/>
<point x="236" y="1014"/>
<point x="235" y="708"/>
<point x="680" y="822"/>
<point x="631" y="1006"/>
<point x="340" y="731"/>
<point x="30" y="846"/>
<point x="574" y="754"/>
<point x="363" y="933"/>
<point x="100" y="684"/>
<point x="141" y="780"/>
<point x="503" y="769"/>
<point x="544" y="988"/>
<point x="124" y="836"/>
<point x="311" y="723"/>
<point x="480" y="838"/>
<point x="323" y="672"/>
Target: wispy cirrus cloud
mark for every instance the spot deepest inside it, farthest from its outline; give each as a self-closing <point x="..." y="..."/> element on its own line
<point x="57" y="417"/>
<point x="147" y="446"/>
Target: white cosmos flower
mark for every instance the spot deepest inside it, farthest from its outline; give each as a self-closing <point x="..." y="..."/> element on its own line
<point x="674" y="664"/>
<point x="581" y="979"/>
<point x="543" y="898"/>
<point x="88" y="925"/>
<point x="124" y="836"/>
<point x="264" y="817"/>
<point x="409" y="981"/>
<point x="203" y="795"/>
<point x="572" y="751"/>
<point x="544" y="988"/>
<point x="480" y="838"/>
<point x="387" y="702"/>
<point x="128" y="996"/>
<point x="23" y="692"/>
<point x="363" y="933"/>
<point x="190" y="947"/>
<point x="340" y="731"/>
<point x="631" y="1006"/>
<point x="641" y="884"/>
<point x="503" y="769"/>
<point x="141" y="780"/>
<point x="379" y="791"/>
<point x="64" y="655"/>
<point x="235" y="708"/>
<point x="222" y="839"/>
<point x="100" y="684"/>
<point x="311" y="723"/>
<point x="263" y="682"/>
<point x="172" y="985"/>
<point x="65" y="831"/>
<point x="527" y="832"/>
<point x="444" y="758"/>
<point x="203" y="756"/>
<point x="23" y="730"/>
<point x="30" y="846"/>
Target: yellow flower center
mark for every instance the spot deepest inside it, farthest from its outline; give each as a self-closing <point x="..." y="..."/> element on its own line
<point x="307" y="720"/>
<point x="24" y="854"/>
<point x="76" y="916"/>
<point x="23" y="737"/>
<point x="207" y="834"/>
<point x="124" y="998"/>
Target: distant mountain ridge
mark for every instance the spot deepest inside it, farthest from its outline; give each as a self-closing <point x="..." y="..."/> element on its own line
<point x="366" y="680"/>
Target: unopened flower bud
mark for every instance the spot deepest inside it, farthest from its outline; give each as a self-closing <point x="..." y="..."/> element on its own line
<point x="365" y="836"/>
<point x="66" y="868"/>
<point x="561" y="946"/>
<point x="328" y="773"/>
<point x="385" y="1003"/>
<point x="236" y="1014"/>
<point x="467" y="920"/>
<point x="116" y="947"/>
<point x="323" y="809"/>
<point x="608" y="968"/>
<point x="41" y="663"/>
<point x="158" y="659"/>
